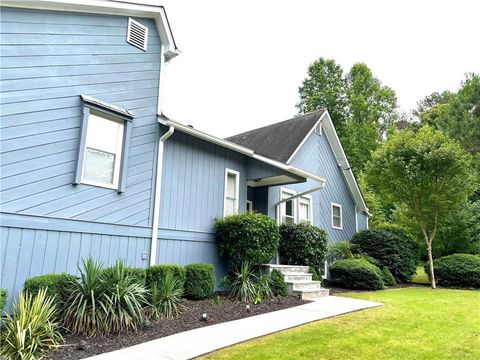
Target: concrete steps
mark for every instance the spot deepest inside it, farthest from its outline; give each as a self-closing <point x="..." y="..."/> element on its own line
<point x="299" y="281"/>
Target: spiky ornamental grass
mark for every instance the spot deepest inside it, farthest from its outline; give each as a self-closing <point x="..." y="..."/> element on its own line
<point x="166" y="298"/>
<point x="31" y="331"/>
<point x="243" y="284"/>
<point x="101" y="304"/>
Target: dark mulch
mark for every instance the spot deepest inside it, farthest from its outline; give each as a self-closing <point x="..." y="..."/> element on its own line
<point x="190" y="319"/>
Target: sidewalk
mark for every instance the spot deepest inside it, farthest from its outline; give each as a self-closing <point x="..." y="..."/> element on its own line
<point x="193" y="343"/>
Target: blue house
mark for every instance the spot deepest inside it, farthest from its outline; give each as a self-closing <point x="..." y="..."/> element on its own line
<point x="90" y="166"/>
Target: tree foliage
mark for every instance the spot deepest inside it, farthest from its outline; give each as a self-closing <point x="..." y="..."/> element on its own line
<point x="427" y="173"/>
<point x="361" y="107"/>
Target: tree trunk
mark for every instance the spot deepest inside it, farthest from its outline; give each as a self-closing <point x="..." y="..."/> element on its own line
<point x="430" y="262"/>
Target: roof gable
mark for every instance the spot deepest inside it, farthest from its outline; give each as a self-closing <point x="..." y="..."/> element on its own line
<point x="281" y="141"/>
<point x="278" y="141"/>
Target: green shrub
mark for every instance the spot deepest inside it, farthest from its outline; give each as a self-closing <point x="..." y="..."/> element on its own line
<point x="30" y="332"/>
<point x="388" y="278"/>
<point x="242" y="285"/>
<point x="250" y="237"/>
<point x="200" y="281"/>
<point x="264" y="288"/>
<point x="356" y="274"/>
<point x="303" y="244"/>
<point x="392" y="248"/>
<point x="137" y="275"/>
<point x="102" y="303"/>
<point x="316" y="273"/>
<point x="3" y="300"/>
<point x="278" y="284"/>
<point x="156" y="273"/>
<point x="56" y="285"/>
<point x="342" y="250"/>
<point x="126" y="294"/>
<point x="458" y="270"/>
<point x="88" y="304"/>
<point x="165" y="298"/>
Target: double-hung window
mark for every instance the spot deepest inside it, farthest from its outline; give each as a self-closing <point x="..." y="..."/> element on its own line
<point x="103" y="145"/>
<point x="305" y="209"/>
<point x="337" y="216"/>
<point x="287" y="208"/>
<point x="231" y="192"/>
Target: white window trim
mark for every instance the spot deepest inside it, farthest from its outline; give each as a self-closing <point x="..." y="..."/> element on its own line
<point x="118" y="155"/>
<point x="283" y="205"/>
<point x="249" y="202"/>
<point x="341" y="215"/>
<point x="309" y="200"/>
<point x="237" y="190"/>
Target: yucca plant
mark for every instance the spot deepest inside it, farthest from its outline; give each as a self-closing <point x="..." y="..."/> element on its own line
<point x="88" y="305"/>
<point x="166" y="299"/>
<point x="31" y="331"/>
<point x="126" y="299"/>
<point x="243" y="284"/>
<point x="264" y="289"/>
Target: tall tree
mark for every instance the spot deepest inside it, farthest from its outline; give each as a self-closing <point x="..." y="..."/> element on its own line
<point x="361" y="108"/>
<point x="426" y="173"/>
<point x="325" y="87"/>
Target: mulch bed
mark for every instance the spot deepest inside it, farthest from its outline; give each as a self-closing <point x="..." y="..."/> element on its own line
<point x="190" y="319"/>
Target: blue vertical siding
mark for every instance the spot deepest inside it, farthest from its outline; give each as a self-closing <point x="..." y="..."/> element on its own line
<point x="48" y="59"/>
<point x="316" y="156"/>
<point x="362" y="221"/>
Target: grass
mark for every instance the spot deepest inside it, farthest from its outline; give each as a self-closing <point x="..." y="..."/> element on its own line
<point x="420" y="277"/>
<point x="414" y="323"/>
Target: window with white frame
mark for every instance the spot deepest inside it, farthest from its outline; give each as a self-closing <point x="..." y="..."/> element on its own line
<point x="288" y="208"/>
<point x="103" y="150"/>
<point x="337" y="216"/>
<point x="305" y="209"/>
<point x="231" y="192"/>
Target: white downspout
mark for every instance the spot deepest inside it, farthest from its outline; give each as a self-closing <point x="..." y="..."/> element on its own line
<point x="156" y="202"/>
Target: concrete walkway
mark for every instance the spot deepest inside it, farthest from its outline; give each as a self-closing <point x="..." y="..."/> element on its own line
<point x="193" y="343"/>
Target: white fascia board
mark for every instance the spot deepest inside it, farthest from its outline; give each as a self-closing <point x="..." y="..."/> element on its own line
<point x="241" y="149"/>
<point x="108" y="7"/>
<point x="342" y="161"/>
<point x="306" y="137"/>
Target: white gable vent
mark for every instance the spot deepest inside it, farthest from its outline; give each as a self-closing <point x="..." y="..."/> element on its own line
<point x="137" y="34"/>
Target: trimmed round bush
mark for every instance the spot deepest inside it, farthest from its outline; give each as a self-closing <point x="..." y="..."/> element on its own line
<point x="200" y="281"/>
<point x="248" y="237"/>
<point x="392" y="248"/>
<point x="458" y="270"/>
<point x="357" y="274"/>
<point x="3" y="300"/>
<point x="56" y="284"/>
<point x="136" y="274"/>
<point x="155" y="275"/>
<point x="388" y="278"/>
<point x="278" y="284"/>
<point x="303" y="244"/>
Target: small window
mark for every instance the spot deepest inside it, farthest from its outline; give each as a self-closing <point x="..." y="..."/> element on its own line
<point x="103" y="145"/>
<point x="249" y="206"/>
<point x="103" y="151"/>
<point x="336" y="216"/>
<point x="231" y="192"/>
<point x="137" y="34"/>
<point x="305" y="209"/>
<point x="287" y="208"/>
<point x="318" y="128"/>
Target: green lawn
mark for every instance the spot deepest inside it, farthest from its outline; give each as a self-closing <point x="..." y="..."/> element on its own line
<point x="414" y="323"/>
<point x="420" y="277"/>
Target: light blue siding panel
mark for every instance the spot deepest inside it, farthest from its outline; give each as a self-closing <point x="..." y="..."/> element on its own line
<point x="317" y="157"/>
<point x="48" y="60"/>
<point x="362" y="221"/>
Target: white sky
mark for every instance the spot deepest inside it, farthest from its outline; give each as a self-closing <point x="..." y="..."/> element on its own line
<point x="242" y="61"/>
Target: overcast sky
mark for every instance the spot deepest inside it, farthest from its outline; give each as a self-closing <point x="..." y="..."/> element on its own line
<point x="242" y="61"/>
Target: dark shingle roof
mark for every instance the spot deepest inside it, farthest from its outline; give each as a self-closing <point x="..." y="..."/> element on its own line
<point x="278" y="141"/>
